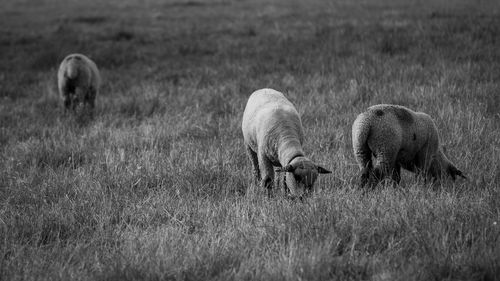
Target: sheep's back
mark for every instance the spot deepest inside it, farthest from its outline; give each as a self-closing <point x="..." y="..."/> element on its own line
<point x="269" y="116"/>
<point x="279" y="122"/>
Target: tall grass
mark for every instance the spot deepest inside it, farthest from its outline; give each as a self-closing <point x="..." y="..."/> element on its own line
<point x="156" y="185"/>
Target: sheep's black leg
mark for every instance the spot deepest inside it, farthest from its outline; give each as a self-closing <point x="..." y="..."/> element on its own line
<point x="396" y="174"/>
<point x="66" y="90"/>
<point x="74" y="101"/>
<point x="267" y="183"/>
<point x="377" y="176"/>
<point x="267" y="172"/>
<point x="387" y="166"/>
<point x="90" y="98"/>
<point x="285" y="186"/>
<point x="363" y="156"/>
<point x="67" y="103"/>
<point x="255" y="164"/>
<point x="365" y="174"/>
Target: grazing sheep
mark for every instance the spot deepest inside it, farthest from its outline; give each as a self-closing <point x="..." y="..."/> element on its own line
<point x="78" y="80"/>
<point x="398" y="137"/>
<point x="273" y="137"/>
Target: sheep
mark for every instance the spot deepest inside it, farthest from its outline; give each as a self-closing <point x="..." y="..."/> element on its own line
<point x="273" y="137"/>
<point x="78" y="81"/>
<point x="398" y="138"/>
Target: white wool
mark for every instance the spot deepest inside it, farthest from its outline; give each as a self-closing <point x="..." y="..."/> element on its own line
<point x="398" y="137"/>
<point x="273" y="136"/>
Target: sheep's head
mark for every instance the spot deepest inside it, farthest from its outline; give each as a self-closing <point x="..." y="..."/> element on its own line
<point x="441" y="167"/>
<point x="301" y="176"/>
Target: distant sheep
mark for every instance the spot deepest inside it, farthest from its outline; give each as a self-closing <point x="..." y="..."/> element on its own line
<point x="78" y="80"/>
<point x="398" y="138"/>
<point x="273" y="137"/>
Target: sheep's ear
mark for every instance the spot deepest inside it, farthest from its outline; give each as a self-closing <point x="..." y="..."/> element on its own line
<point x="453" y="171"/>
<point x="322" y="170"/>
<point x="288" y="168"/>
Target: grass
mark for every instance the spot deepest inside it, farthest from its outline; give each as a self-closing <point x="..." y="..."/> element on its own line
<point x="156" y="185"/>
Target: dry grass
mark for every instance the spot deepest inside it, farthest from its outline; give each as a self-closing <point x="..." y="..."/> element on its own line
<point x="156" y="185"/>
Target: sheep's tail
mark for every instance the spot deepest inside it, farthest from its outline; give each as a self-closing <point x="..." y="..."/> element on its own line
<point x="73" y="65"/>
<point x="72" y="71"/>
<point x="360" y="133"/>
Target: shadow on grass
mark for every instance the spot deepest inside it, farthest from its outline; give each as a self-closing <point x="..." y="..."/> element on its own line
<point x="213" y="267"/>
<point x="90" y="19"/>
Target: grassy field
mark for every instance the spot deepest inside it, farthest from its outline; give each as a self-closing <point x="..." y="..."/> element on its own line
<point x="157" y="186"/>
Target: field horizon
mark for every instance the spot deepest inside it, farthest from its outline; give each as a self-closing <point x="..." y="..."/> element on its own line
<point x="156" y="185"/>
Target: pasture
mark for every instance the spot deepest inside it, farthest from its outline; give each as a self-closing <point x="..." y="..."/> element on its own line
<point x="156" y="184"/>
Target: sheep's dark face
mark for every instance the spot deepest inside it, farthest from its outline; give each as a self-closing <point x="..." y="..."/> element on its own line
<point x="301" y="181"/>
<point x="301" y="176"/>
<point x="441" y="167"/>
<point x="453" y="172"/>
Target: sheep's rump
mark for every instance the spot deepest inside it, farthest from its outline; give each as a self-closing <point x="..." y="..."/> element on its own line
<point x="78" y="72"/>
<point x="391" y="133"/>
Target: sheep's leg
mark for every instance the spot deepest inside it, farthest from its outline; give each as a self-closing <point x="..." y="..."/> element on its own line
<point x="396" y="174"/>
<point x="386" y="166"/>
<point x="378" y="174"/>
<point x="267" y="182"/>
<point x="284" y="185"/>
<point x="67" y="102"/>
<point x="67" y="90"/>
<point x="425" y="166"/>
<point x="74" y="100"/>
<point x="255" y="164"/>
<point x="365" y="173"/>
<point x="267" y="172"/>
<point x="364" y="158"/>
<point x="79" y="96"/>
<point x="90" y="98"/>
